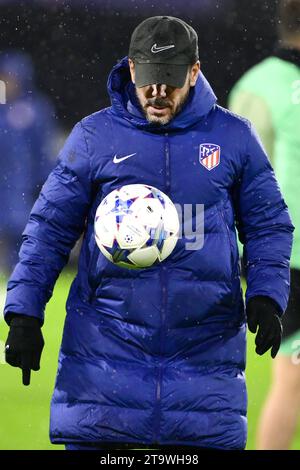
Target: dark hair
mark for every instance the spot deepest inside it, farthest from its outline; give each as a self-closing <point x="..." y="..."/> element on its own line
<point x="289" y="18"/>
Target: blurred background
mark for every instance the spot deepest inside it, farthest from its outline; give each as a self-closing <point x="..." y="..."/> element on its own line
<point x="55" y="57"/>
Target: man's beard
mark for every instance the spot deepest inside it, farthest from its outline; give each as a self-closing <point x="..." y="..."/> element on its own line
<point x="159" y="102"/>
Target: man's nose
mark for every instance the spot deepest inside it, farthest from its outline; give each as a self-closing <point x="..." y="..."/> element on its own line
<point x="159" y="89"/>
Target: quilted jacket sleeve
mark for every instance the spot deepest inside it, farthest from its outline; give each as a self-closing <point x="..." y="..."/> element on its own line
<point x="264" y="226"/>
<point x="56" y="221"/>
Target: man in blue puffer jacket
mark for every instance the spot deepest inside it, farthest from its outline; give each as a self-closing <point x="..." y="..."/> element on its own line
<point x="157" y="356"/>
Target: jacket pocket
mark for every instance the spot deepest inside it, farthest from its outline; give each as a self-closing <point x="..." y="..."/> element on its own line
<point x="93" y="276"/>
<point x="93" y="271"/>
<point x="229" y="239"/>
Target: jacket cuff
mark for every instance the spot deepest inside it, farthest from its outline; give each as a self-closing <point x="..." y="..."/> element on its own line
<point x="267" y="300"/>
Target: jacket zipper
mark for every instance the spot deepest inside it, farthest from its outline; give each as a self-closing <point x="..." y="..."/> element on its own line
<point x="163" y="277"/>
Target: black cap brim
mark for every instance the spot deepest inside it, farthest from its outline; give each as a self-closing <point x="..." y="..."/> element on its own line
<point x="169" y="74"/>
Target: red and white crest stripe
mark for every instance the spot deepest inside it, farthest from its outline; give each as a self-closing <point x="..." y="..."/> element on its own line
<point x="211" y="161"/>
<point x="209" y="155"/>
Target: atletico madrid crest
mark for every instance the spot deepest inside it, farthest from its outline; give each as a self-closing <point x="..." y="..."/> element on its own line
<point x="209" y="155"/>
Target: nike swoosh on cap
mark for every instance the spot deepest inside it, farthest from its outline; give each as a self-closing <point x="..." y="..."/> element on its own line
<point x="155" y="48"/>
<point x="120" y="159"/>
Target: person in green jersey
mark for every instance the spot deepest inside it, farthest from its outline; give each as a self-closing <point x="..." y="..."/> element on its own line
<point x="269" y="95"/>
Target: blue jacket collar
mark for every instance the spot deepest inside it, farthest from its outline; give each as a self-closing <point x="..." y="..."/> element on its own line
<point x="125" y="104"/>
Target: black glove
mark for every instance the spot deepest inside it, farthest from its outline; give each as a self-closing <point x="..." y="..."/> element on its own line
<point x="24" y="344"/>
<point x="262" y="312"/>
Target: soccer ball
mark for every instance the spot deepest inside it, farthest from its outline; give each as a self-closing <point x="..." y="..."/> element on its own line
<point x="136" y="226"/>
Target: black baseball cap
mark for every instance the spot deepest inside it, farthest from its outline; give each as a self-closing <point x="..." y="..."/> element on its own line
<point x="162" y="48"/>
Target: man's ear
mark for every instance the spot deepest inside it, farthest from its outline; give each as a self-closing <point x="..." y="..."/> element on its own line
<point x="132" y="70"/>
<point x="194" y="73"/>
